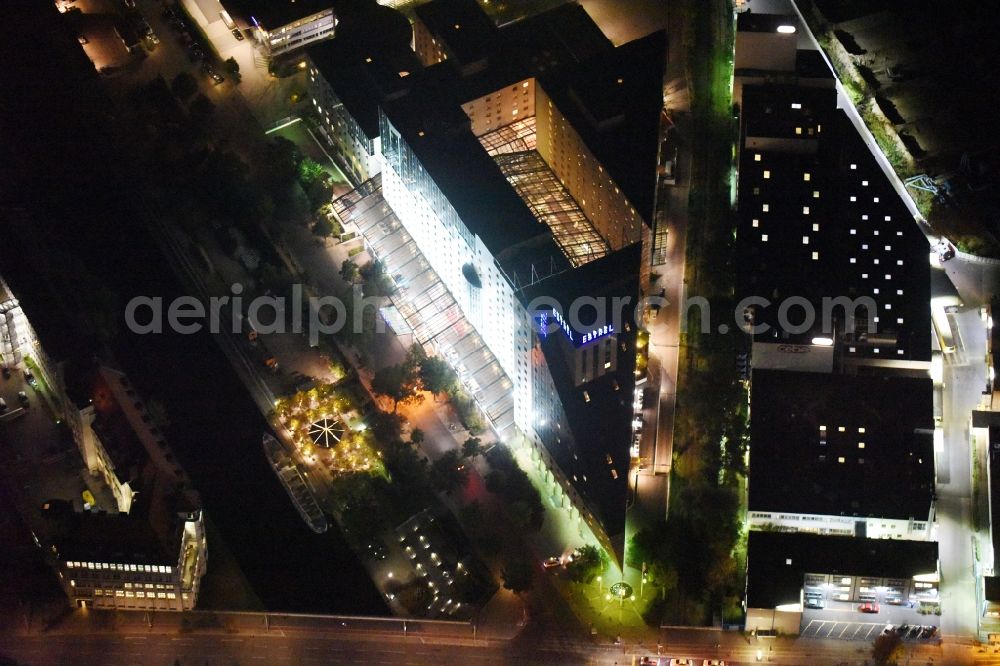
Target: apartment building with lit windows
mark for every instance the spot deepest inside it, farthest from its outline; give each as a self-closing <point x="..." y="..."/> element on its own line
<point x="150" y="559"/>
<point x="511" y="173"/>
<point x="135" y="539"/>
<point x="834" y="289"/>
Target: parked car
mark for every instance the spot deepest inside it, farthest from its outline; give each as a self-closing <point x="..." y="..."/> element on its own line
<point x="681" y="662"/>
<point x="217" y="78"/>
<point x="82" y="39"/>
<point x="814" y="601"/>
<point x="713" y="662"/>
<point x="945" y="250"/>
<point x="888" y="629"/>
<point x="30" y="377"/>
<point x="928" y="631"/>
<point x="237" y="34"/>
<point x="869" y="607"/>
<point x="552" y="562"/>
<point x="23" y="397"/>
<point x="3" y="404"/>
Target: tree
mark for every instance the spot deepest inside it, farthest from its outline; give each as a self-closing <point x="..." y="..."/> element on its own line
<point x="448" y="473"/>
<point x="887" y="649"/>
<point x="282" y="158"/>
<point x="518" y="573"/>
<point x="437" y="375"/>
<point x="183" y="86"/>
<point x="588" y="562"/>
<point x="310" y="171"/>
<point x="323" y="227"/>
<point x="416" y="435"/>
<point x="201" y="109"/>
<point x="233" y="68"/>
<point x="349" y="271"/>
<point x="398" y="382"/>
<point x="472" y="447"/>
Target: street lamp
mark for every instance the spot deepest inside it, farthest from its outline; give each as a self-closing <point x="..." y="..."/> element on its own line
<point x="600" y="585"/>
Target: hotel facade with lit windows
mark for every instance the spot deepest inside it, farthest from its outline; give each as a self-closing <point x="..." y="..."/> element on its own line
<point x="504" y="193"/>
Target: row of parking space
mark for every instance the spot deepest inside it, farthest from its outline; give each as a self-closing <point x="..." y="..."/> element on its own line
<point x="865" y="631"/>
<point x="857" y="631"/>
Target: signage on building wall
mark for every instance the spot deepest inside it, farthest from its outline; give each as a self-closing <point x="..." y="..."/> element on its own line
<point x="598" y="332"/>
<point x="543" y="323"/>
<point x="574" y="337"/>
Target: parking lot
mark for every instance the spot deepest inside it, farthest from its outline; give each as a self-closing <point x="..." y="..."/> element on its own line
<point x="843" y="620"/>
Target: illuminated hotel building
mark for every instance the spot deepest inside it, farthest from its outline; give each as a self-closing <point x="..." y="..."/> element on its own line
<point x="518" y="170"/>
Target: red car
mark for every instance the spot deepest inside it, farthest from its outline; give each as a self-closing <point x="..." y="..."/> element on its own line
<point x="868" y="607"/>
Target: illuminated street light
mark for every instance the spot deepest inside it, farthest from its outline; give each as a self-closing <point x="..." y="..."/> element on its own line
<point x="786" y="29"/>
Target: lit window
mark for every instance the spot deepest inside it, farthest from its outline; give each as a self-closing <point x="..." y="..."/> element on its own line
<point x="796" y="105"/>
<point x="767" y="174"/>
<point x="822" y="428"/>
<point x="765" y="207"/>
<point x="841" y="459"/>
<point x="841" y="428"/>
<point x="798" y="130"/>
<point x="763" y="237"/>
<point x="888" y="218"/>
<point x="815" y="194"/>
<point x="853" y="260"/>
<point x="854" y="198"/>
<point x="815" y="226"/>
<point x="854" y="232"/>
<point x="806" y="176"/>
<point x="854" y="166"/>
<point x="755" y="223"/>
<point x="861" y="445"/>
<point x="756" y="157"/>
<point x="805" y="240"/>
<point x="815" y="256"/>
<point x="864" y="183"/>
<point x="805" y="210"/>
<point x="875" y="199"/>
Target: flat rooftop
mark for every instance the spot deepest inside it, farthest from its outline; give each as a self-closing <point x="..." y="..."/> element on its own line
<point x="750" y="22"/>
<point x="599" y="412"/>
<point x="565" y="35"/>
<point x="778" y="561"/>
<point x="273" y="14"/>
<point x="826" y="222"/>
<point x="462" y="25"/>
<point x="614" y="103"/>
<point x="841" y="445"/>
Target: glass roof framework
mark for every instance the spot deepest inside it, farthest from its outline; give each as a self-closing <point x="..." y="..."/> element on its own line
<point x="512" y="147"/>
<point x="427" y="306"/>
<point x="552" y="205"/>
<point x="517" y="137"/>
